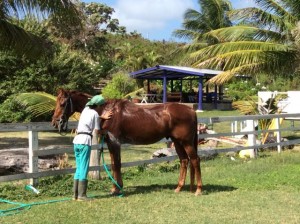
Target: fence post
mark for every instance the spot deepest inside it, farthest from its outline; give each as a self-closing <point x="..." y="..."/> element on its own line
<point x="278" y="133"/>
<point x="234" y="126"/>
<point x="95" y="158"/>
<point x="33" y="160"/>
<point x="251" y="138"/>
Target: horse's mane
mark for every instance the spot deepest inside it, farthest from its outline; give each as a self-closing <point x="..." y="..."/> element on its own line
<point x="80" y="93"/>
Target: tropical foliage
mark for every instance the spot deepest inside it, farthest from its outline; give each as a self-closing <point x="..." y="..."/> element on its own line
<point x="37" y="103"/>
<point x="79" y="55"/>
<point x="264" y="40"/>
<point x="14" y="37"/>
<point x="120" y="85"/>
<point x="35" y="106"/>
<point x="212" y="15"/>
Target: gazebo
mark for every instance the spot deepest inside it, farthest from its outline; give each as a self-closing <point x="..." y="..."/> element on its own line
<point x="170" y="73"/>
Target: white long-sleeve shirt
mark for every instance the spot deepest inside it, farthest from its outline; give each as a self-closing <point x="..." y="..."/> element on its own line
<point x="89" y="120"/>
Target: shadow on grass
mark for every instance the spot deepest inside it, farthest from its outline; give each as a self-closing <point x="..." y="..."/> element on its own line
<point x="207" y="189"/>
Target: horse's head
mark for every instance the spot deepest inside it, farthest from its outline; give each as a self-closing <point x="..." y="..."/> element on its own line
<point x="63" y="110"/>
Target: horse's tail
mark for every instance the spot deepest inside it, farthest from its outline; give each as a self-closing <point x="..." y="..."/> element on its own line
<point x="196" y="139"/>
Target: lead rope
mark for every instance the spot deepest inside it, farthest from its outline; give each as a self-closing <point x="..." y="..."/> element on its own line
<point x="22" y="206"/>
<point x="106" y="169"/>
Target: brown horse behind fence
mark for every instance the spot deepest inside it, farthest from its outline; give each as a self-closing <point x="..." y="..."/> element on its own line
<point x="140" y="124"/>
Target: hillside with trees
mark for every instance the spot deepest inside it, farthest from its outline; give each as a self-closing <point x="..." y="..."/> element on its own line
<point x="62" y="44"/>
<point x="78" y="56"/>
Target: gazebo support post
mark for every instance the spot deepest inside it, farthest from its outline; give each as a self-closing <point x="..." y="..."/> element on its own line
<point x="200" y="94"/>
<point x="164" y="89"/>
<point x="181" y="86"/>
<point x="148" y="86"/>
<point x="216" y="97"/>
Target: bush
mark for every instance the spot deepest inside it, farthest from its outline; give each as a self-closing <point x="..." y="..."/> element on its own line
<point x="120" y="85"/>
<point x="12" y="112"/>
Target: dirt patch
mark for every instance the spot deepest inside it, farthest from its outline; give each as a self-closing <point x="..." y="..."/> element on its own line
<point x="14" y="152"/>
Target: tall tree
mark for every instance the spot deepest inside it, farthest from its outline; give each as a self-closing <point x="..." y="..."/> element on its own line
<point x="97" y="21"/>
<point x="211" y="15"/>
<point x="263" y="41"/>
<point x="13" y="37"/>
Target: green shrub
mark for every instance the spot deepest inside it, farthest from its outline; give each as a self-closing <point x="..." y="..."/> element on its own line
<point x="120" y="85"/>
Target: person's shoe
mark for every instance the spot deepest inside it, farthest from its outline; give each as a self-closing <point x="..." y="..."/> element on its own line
<point x="82" y="187"/>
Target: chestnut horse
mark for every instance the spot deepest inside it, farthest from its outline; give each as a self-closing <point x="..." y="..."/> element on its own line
<point x="140" y="124"/>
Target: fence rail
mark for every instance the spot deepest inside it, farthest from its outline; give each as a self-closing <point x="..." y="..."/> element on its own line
<point x="35" y="127"/>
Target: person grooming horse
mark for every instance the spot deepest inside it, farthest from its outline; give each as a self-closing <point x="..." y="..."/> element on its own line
<point x="88" y="122"/>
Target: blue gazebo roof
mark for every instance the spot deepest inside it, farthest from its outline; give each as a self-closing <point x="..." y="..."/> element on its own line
<point x="172" y="72"/>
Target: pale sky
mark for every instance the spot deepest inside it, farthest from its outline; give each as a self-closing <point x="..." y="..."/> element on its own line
<point x="156" y="19"/>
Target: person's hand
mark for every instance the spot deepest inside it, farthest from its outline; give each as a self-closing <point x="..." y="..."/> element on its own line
<point x="107" y="115"/>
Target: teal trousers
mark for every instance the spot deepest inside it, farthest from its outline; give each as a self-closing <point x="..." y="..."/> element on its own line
<point x="82" y="157"/>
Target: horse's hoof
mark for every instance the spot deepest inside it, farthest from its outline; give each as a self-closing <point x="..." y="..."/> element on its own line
<point x="177" y="190"/>
<point x="198" y="192"/>
<point x="116" y="194"/>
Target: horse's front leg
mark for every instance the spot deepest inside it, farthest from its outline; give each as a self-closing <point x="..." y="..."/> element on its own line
<point x="115" y="156"/>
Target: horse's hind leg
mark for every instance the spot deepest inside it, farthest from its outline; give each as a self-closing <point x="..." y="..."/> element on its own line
<point x="184" y="160"/>
<point x="192" y="177"/>
<point x="195" y="165"/>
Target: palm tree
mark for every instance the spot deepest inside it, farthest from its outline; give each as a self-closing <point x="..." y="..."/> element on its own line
<point x="13" y="37"/>
<point x="40" y="103"/>
<point x="37" y="103"/>
<point x="212" y="15"/>
<point x="262" y="42"/>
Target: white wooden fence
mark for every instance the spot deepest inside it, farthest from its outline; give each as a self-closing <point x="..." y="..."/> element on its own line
<point x="34" y="152"/>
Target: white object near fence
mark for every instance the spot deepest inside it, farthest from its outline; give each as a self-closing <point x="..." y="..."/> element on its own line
<point x="33" y="160"/>
<point x="278" y="133"/>
<point x="251" y="138"/>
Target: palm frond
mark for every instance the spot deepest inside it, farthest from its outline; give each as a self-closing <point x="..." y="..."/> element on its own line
<point x="273" y="6"/>
<point x="244" y="33"/>
<point x="246" y="107"/>
<point x="189" y="48"/>
<point x="217" y="50"/>
<point x="293" y="7"/>
<point x="38" y="103"/>
<point x="263" y="18"/>
<point x="63" y="11"/>
<point x="244" y="69"/>
<point x="13" y="37"/>
<point x="186" y="34"/>
<point x="214" y="12"/>
<point x="18" y="40"/>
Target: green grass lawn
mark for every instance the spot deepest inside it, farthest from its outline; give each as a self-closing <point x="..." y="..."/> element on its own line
<point x="262" y="190"/>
